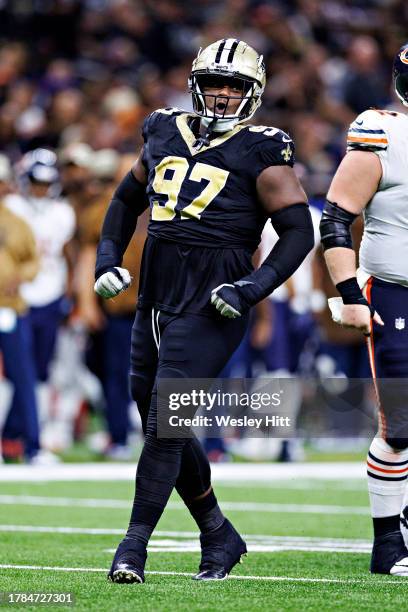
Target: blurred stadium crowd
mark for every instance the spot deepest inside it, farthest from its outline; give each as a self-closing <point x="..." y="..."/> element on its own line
<point x="76" y="79"/>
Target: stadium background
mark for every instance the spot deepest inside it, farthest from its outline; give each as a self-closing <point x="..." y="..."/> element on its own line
<point x="78" y="78"/>
<point x="89" y="72"/>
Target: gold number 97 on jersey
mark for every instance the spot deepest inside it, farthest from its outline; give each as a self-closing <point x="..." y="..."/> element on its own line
<point x="169" y="177"/>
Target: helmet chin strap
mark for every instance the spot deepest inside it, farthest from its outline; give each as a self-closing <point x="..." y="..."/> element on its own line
<point x="220" y="125"/>
<point x="214" y="124"/>
<point x="204" y="139"/>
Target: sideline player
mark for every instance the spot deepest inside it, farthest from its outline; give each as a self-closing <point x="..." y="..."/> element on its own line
<point x="373" y="178"/>
<point x="19" y="263"/>
<point x="211" y="183"/>
<point x="52" y="221"/>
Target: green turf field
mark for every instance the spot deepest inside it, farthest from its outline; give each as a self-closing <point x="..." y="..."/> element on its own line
<point x="295" y="534"/>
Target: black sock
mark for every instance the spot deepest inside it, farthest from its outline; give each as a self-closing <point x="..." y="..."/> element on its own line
<point x="386" y="524"/>
<point x="156" y="475"/>
<point x="206" y="513"/>
<point x="140" y="533"/>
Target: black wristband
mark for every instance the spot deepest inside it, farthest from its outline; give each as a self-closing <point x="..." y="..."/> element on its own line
<point x="108" y="256"/>
<point x="258" y="285"/>
<point x="351" y="293"/>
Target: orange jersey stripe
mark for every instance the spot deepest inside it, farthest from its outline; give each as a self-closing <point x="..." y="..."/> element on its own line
<point x="374" y="467"/>
<point x="371" y="338"/>
<point x="372" y="140"/>
<point x="382" y="423"/>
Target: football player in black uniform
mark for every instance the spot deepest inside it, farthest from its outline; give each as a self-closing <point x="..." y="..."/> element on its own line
<point x="211" y="182"/>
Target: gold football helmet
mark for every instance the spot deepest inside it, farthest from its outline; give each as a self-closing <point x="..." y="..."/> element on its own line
<point x="227" y="59"/>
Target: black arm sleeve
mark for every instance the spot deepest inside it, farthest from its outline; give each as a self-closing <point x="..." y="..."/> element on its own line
<point x="296" y="238"/>
<point x="335" y="226"/>
<point x="128" y="202"/>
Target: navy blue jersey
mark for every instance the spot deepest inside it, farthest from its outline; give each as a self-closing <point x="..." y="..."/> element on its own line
<point x="206" y="220"/>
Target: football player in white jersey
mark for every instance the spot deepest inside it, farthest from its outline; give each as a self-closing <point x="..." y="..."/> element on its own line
<point x="373" y="179"/>
<point x="52" y="221"/>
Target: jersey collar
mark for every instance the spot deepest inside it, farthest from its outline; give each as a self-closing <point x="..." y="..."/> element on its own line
<point x="189" y="137"/>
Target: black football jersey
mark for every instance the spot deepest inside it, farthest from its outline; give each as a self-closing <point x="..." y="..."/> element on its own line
<point x="205" y="218"/>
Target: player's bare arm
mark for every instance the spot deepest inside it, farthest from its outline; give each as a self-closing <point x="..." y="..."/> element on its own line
<point x="284" y="200"/>
<point x="353" y="186"/>
<point x="138" y="169"/>
<point x="278" y="187"/>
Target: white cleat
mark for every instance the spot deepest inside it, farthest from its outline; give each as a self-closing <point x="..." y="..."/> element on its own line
<point x="400" y="568"/>
<point x="44" y="457"/>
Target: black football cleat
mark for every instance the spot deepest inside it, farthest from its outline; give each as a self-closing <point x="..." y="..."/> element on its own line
<point x="221" y="550"/>
<point x="128" y="562"/>
<point x="390" y="555"/>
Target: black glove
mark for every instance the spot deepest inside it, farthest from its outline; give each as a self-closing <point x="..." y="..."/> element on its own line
<point x="228" y="302"/>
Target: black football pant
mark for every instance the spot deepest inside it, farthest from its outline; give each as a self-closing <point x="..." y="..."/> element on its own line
<point x="174" y="346"/>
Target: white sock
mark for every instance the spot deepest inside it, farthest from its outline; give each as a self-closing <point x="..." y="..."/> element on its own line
<point x="387" y="472"/>
<point x="43" y="393"/>
<point x="404" y="516"/>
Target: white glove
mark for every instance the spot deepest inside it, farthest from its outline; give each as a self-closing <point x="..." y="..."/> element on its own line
<point x="335" y="305"/>
<point x="112" y="282"/>
<point x="352" y="320"/>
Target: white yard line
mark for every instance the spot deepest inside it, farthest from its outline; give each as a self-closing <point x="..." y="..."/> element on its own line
<point x="256" y="548"/>
<point x="62" y="530"/>
<point x="291" y="508"/>
<point x="250" y="472"/>
<point x="34" y="500"/>
<point x="268" y="546"/>
<point x="300" y="485"/>
<point x="180" y="534"/>
<point x="187" y="541"/>
<point x="261" y="578"/>
<point x="79" y="502"/>
<point x="92" y="531"/>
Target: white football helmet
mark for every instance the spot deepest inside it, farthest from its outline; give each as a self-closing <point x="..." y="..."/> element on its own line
<point x="237" y="61"/>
